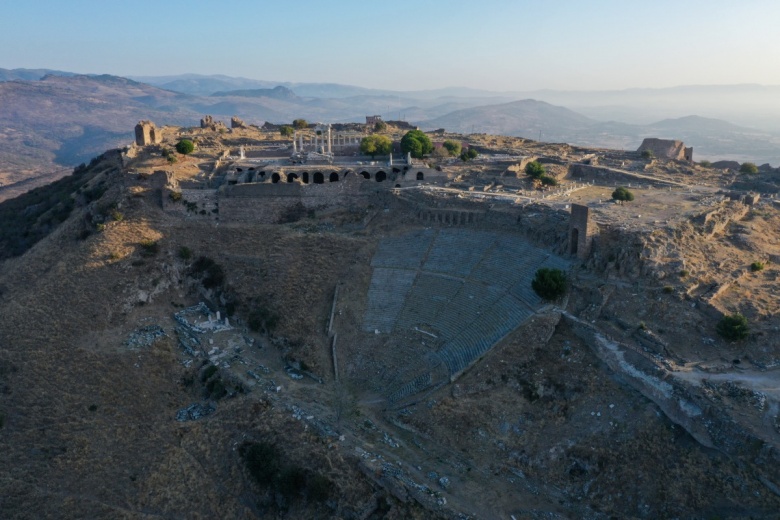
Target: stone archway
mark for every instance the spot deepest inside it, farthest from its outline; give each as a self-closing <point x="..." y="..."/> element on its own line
<point x="365" y="174"/>
<point x="291" y="177"/>
<point x="305" y="177"/>
<point x="575" y="241"/>
<point x="420" y="176"/>
<point x="334" y="177"/>
<point x="275" y="178"/>
<point x="319" y="178"/>
<point x="381" y="176"/>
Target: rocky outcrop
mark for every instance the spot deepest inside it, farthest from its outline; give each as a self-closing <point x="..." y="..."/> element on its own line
<point x="235" y="122"/>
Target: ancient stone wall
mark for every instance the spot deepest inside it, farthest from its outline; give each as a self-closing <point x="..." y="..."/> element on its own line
<point x="667" y="149"/>
<point x="581" y="231"/>
<point x="147" y="133"/>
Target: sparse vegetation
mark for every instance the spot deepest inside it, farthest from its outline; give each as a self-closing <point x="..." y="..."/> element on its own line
<point x="549" y="284"/>
<point x="748" y="167"/>
<point x="648" y="154"/>
<point x="380" y="126"/>
<point x="684" y="273"/>
<point x="185" y="146"/>
<point x="416" y="143"/>
<point x="548" y="180"/>
<point x="757" y="266"/>
<point x="734" y="327"/>
<point x="668" y="289"/>
<point x="286" y="131"/>
<point x="185" y="253"/>
<point x="262" y="319"/>
<point x="622" y="194"/>
<point x="376" y="144"/>
<point x="175" y="196"/>
<point x="705" y="164"/>
<point x="534" y="169"/>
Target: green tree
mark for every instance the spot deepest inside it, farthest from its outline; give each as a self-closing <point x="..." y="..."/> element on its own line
<point x="705" y="164"/>
<point x="185" y="146"/>
<point x="549" y="284"/>
<point x="376" y="144"/>
<point x="734" y="327"/>
<point x="548" y="180"/>
<point x="534" y="169"/>
<point x="380" y="126"/>
<point x="622" y="194"/>
<point x="286" y="131"/>
<point x="416" y="143"/>
<point x="748" y="167"/>
<point x="453" y="147"/>
<point x="300" y="124"/>
<point x="648" y="154"/>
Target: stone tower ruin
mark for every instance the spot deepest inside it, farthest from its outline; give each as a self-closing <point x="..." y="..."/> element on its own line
<point x="147" y="133"/>
<point x="581" y="231"/>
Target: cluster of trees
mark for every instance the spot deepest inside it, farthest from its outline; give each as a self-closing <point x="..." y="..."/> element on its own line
<point x="549" y="284"/>
<point x="467" y="155"/>
<point x="536" y="170"/>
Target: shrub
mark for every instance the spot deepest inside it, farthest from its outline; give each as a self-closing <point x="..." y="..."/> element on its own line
<point x="453" y="147"/>
<point x="668" y="289"/>
<point x="149" y="248"/>
<point x="622" y="194"/>
<point x="212" y="272"/>
<point x="684" y="273"/>
<point x="549" y="284"/>
<point x="380" y="126"/>
<point x="291" y="481"/>
<point x="376" y="144"/>
<point x="748" y="167"/>
<point x="300" y="124"/>
<point x="648" y="154"/>
<point x="534" y="169"/>
<point x="286" y="131"/>
<point x="734" y="327"/>
<point x="262" y="319"/>
<point x="185" y="253"/>
<point x="172" y="159"/>
<point x="175" y="196"/>
<point x="705" y="164"/>
<point x="319" y="488"/>
<point x="262" y="459"/>
<point x="548" y="180"/>
<point x="117" y="216"/>
<point x="210" y="371"/>
<point x="756" y="266"/>
<point x="185" y="146"/>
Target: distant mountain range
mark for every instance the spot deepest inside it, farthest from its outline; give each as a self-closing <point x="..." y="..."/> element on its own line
<point x="53" y="119"/>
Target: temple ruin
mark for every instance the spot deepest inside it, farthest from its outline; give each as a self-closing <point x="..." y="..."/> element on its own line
<point x="667" y="149"/>
<point x="147" y="133"/>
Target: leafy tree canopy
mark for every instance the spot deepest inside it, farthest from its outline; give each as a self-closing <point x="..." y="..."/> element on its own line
<point x="622" y="194"/>
<point x="534" y="169"/>
<point x="376" y="144"/>
<point x="286" y="131"/>
<point x="549" y="284"/>
<point x="300" y="124"/>
<point x="734" y="327"/>
<point x="416" y="143"/>
<point x="185" y="146"/>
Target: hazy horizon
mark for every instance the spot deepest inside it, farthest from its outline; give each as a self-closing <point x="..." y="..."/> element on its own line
<point x="494" y="45"/>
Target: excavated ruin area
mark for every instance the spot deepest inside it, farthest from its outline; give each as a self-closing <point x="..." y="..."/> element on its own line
<point x="619" y="402"/>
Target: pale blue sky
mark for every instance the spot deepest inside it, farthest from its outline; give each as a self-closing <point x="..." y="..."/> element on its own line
<point x="403" y="44"/>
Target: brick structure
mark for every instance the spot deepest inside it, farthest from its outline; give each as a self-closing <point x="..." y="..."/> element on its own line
<point x="581" y="231"/>
<point x="147" y="133"/>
